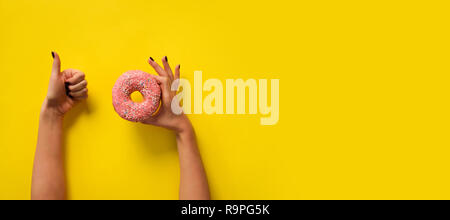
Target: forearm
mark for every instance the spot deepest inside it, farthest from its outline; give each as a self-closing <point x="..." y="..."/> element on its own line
<point x="48" y="181"/>
<point x="193" y="181"/>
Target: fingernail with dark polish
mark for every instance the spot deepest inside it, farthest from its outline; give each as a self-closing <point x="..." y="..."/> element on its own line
<point x="53" y="54"/>
<point x="152" y="59"/>
<point x="66" y="84"/>
<point x="166" y="58"/>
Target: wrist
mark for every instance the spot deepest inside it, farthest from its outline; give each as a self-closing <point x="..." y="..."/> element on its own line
<point x="186" y="135"/>
<point x="184" y="126"/>
<point x="50" y="113"/>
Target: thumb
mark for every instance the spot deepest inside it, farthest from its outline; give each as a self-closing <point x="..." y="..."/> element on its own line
<point x="56" y="68"/>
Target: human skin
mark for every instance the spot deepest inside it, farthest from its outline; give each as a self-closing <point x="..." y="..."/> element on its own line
<point x="193" y="181"/>
<point x="48" y="180"/>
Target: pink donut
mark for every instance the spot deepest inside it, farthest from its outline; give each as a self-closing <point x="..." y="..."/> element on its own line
<point x="129" y="82"/>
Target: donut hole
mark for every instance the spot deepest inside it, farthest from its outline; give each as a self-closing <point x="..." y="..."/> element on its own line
<point x="137" y="96"/>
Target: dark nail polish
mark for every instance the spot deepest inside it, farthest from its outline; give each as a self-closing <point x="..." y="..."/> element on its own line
<point x="66" y="84"/>
<point x="152" y="59"/>
<point x="179" y="66"/>
<point x="166" y="58"/>
<point x="53" y="55"/>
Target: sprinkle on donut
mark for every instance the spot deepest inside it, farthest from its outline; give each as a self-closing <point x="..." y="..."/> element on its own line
<point x="129" y="82"/>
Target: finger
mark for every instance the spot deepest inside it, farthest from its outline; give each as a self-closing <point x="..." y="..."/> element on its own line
<point x="66" y="87"/>
<point x="163" y="82"/>
<point x="81" y="97"/>
<point x="165" y="88"/>
<point x="157" y="67"/>
<point x="77" y="87"/>
<point x="167" y="68"/>
<point x="68" y="73"/>
<point x="177" y="71"/>
<point x="80" y="93"/>
<point x="56" y="68"/>
<point x="77" y="77"/>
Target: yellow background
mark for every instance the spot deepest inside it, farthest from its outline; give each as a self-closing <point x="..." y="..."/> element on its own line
<point x="364" y="87"/>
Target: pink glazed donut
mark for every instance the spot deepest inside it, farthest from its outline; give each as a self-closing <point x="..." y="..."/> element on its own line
<point x="129" y="82"/>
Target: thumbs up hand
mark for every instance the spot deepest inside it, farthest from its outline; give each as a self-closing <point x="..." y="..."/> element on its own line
<point x="65" y="88"/>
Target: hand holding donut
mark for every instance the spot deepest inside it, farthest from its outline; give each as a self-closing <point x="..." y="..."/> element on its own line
<point x="65" y="88"/>
<point x="165" y="117"/>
